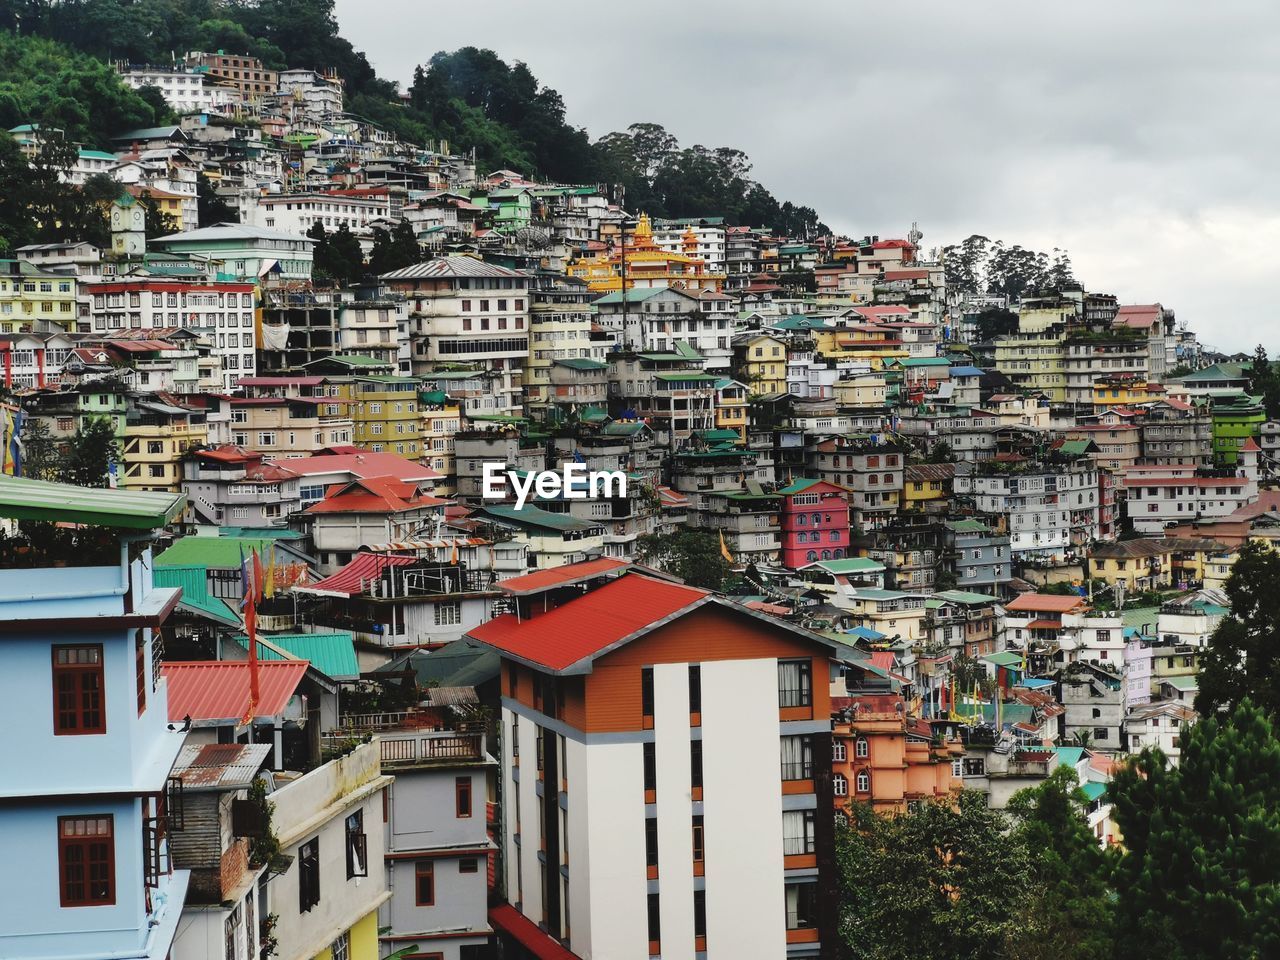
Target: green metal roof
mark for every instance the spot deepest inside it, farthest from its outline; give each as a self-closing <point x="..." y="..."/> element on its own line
<point x="333" y="654"/>
<point x="582" y="363"/>
<point x="536" y="517"/>
<point x="687" y="375"/>
<point x="1076" y="448"/>
<point x="850" y="565"/>
<point x="967" y="526"/>
<point x="22" y="499"/>
<point x="1005" y="658"/>
<point x="963" y="596"/>
<point x="623" y="428"/>
<point x="1184" y="684"/>
<point x="634" y="295"/>
<point x="1069" y="756"/>
<point x="262" y="533"/>
<point x="800" y="485"/>
<point x="462" y="663"/>
<point x="194" y="582"/>
<point x="1094" y="790"/>
<point x="220" y="553"/>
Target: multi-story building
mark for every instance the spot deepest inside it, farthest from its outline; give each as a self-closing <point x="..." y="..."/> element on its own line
<point x="702" y="238"/>
<point x="156" y="438"/>
<point x="233" y="486"/>
<point x="1093" y="703"/>
<point x="762" y="363"/>
<point x="659" y="319"/>
<point x="979" y="556"/>
<point x="87" y="812"/>
<point x="376" y="510"/>
<point x="1049" y="508"/>
<point x="1176" y="432"/>
<point x="462" y="309"/>
<point x="185" y="90"/>
<point x="815" y="522"/>
<point x="35" y="299"/>
<point x="269" y="258"/>
<point x="1182" y="493"/>
<point x="246" y="74"/>
<point x="281" y="426"/>
<point x="1089" y="357"/>
<point x="559" y="332"/>
<point x="644" y="812"/>
<point x="221" y="313"/>
<point x="1237" y="423"/>
<point x="962" y="622"/>
<point x="329" y="823"/>
<point x="872" y="472"/>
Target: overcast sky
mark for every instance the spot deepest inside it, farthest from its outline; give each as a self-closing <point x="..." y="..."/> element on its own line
<point x="1141" y="135"/>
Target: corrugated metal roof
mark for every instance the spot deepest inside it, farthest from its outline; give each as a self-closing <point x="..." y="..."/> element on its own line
<point x="219" y="689"/>
<point x="561" y="576"/>
<point x="221" y="553"/>
<point x="356" y="576"/>
<point x="451" y="696"/>
<point x="23" y="499"/>
<point x="194" y="582"/>
<point x="220" y="766"/>
<point x="333" y="654"/>
<point x="450" y="267"/>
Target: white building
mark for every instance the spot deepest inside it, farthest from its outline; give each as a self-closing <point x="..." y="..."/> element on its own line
<point x="1182" y="493"/>
<point x="1052" y="509"/>
<point x="186" y="91"/>
<point x="704" y="239"/>
<point x="357" y="210"/>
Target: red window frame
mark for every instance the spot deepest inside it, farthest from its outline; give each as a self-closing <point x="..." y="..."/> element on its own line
<point x="87" y="860"/>
<point x="424" y="872"/>
<point x="140" y="668"/>
<point x="462" y="797"/>
<point x="79" y="696"/>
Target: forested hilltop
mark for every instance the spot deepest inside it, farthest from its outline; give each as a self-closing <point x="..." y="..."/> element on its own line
<point x="469" y="97"/>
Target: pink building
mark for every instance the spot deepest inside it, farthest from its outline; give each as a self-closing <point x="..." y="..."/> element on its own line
<point x="815" y="522"/>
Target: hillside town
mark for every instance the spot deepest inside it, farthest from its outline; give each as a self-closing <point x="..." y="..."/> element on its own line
<point x="320" y="690"/>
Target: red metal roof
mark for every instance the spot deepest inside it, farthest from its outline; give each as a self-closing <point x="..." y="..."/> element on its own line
<point x="1045" y="603"/>
<point x="373" y="495"/>
<point x="219" y="689"/>
<point x="364" y="463"/>
<point x="507" y="919"/>
<point x="353" y="578"/>
<point x="589" y="625"/>
<point x="227" y="453"/>
<point x="561" y="576"/>
<point x="884" y="659"/>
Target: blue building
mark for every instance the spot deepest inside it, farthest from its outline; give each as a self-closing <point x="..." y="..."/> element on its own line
<point x="84" y="798"/>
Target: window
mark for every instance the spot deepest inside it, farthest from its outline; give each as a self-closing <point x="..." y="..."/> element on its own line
<point x="839" y="785"/>
<point x="700" y="913"/>
<point x="651" y="842"/>
<point x="468" y="865"/>
<point x="650" y="768"/>
<point x="357" y="846"/>
<point x="308" y="875"/>
<point x="699" y="839"/>
<point x="797" y="832"/>
<point x="77" y="690"/>
<point x="655" y="927"/>
<point x="424" y="883"/>
<point x="957" y="768"/>
<point x="341" y="948"/>
<point x="695" y="764"/>
<point x="862" y="748"/>
<point x="646" y="691"/>
<point x="448" y="614"/>
<point x="797" y="758"/>
<point x="862" y="782"/>
<point x="140" y="668"/>
<point x="795" y="683"/>
<point x="802" y="906"/>
<point x="462" y="797"/>
<point x="695" y="688"/>
<point x="87" y="860"/>
<point x="975" y="767"/>
<point x="839" y="750"/>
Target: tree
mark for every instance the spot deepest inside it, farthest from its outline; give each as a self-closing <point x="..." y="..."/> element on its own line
<point x="964" y="264"/>
<point x="941" y="452"/>
<point x="935" y="884"/>
<point x="1264" y="381"/>
<point x="39" y="452"/>
<point x="337" y="256"/>
<point x="159" y="223"/>
<point x="996" y="322"/>
<point x="210" y="207"/>
<point x="1200" y="876"/>
<point x="1068" y="912"/>
<point x="93" y="451"/>
<point x="394" y="249"/>
<point x="693" y="555"/>
<point x="1242" y="658"/>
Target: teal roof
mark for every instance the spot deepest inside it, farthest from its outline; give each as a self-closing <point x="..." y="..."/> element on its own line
<point x="692" y="375"/>
<point x="261" y="533"/>
<point x="802" y="484"/>
<point x="582" y="363"/>
<point x="1138" y="616"/>
<point x="536" y="517"/>
<point x="967" y="526"/>
<point x="873" y="593"/>
<point x="462" y="663"/>
<point x="333" y="654"/>
<point x="1094" y="790"/>
<point x="1185" y="684"/>
<point x="623" y="428"/>
<point x="634" y="295"/>
<point x="850" y="565"/>
<point x="97" y="155"/>
<point x="1005" y="658"/>
<point x="194" y="582"/>
<point x="221" y="553"/>
<point x="1069" y="756"/>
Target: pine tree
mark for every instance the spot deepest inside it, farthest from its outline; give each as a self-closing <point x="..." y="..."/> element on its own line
<point x="92" y="452"/>
<point x="1243" y="655"/>
<point x="1069" y="911"/>
<point x="1200" y="878"/>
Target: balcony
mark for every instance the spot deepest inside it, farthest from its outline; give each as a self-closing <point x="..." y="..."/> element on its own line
<point x="431" y="747"/>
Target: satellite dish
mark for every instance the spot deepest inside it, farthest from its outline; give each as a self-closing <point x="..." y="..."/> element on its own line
<point x="533" y="238"/>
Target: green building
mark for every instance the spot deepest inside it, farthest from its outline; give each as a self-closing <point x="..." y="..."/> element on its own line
<point x="1236" y="418"/>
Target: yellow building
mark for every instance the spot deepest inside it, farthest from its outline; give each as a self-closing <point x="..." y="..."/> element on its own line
<point x="764" y="363"/>
<point x="1035" y="361"/>
<point x="925" y="484"/>
<point x="29" y="295"/>
<point x="384" y="414"/>
<point x="165" y="202"/>
<point x="440" y="416"/>
<point x="731" y="407"/>
<point x="155" y="440"/>
<point x="873" y="346"/>
<point x="645" y="265"/>
<point x="894" y="613"/>
<point x="861" y="390"/>
<point x="1123" y="392"/>
<point x="1140" y="565"/>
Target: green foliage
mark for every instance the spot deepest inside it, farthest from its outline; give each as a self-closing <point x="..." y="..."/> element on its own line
<point x="92" y="452"/>
<point x="941" y="452"/>
<point x="211" y="207"/>
<point x="337" y="255"/>
<point x="1242" y="658"/>
<point x="37" y="206"/>
<point x="44" y="82"/>
<point x="935" y="884"/>
<point x="39" y="451"/>
<point x="159" y="223"/>
<point x="1067" y="911"/>
<point x="1201" y="874"/>
<point x="996" y="322"/>
<point x="693" y="555"/>
<point x="1264" y="381"/>
<point x="394" y="249"/>
<point x="980" y="265"/>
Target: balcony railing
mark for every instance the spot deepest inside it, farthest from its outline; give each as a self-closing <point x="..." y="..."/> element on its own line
<point x="432" y="746"/>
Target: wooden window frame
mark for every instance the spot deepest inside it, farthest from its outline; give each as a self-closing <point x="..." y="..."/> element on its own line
<point x="474" y="865"/>
<point x="83" y="843"/>
<point x="75" y="672"/>
<point x="357" y="846"/>
<point x="424" y="869"/>
<point x="462" y="797"/>
<point x="308" y="875"/>
<point x="140" y="669"/>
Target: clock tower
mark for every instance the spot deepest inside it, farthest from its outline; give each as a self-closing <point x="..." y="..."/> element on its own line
<point x="128" y="227"/>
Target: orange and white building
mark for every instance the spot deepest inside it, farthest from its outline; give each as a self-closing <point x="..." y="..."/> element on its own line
<point x="665" y="772"/>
